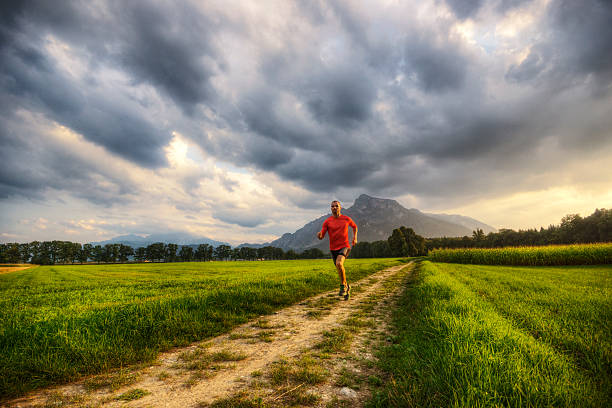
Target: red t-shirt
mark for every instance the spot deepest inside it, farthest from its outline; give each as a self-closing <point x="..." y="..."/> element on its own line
<point x="338" y="231"/>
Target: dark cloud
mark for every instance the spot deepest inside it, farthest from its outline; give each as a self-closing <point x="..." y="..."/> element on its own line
<point x="526" y="70"/>
<point x="242" y="218"/>
<point x="170" y="47"/>
<point x="32" y="81"/>
<point x="438" y="68"/>
<point x="464" y="8"/>
<point x="582" y="37"/>
<point x="31" y="166"/>
<point x="342" y="98"/>
<point x="333" y="97"/>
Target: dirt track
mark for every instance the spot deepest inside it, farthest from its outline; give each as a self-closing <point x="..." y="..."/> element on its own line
<point x="316" y="353"/>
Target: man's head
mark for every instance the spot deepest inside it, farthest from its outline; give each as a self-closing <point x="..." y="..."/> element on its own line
<point x="336" y="208"/>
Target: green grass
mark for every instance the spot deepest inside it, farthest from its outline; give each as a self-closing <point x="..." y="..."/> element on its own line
<point x="553" y="255"/>
<point x="501" y="336"/>
<point x="59" y="323"/>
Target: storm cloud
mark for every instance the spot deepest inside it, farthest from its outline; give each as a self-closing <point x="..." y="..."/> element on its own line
<point x="422" y="98"/>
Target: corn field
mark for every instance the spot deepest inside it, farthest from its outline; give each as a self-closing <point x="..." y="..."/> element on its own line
<point x="578" y="254"/>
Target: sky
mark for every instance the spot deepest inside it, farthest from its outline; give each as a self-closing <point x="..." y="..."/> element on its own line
<point x="242" y="120"/>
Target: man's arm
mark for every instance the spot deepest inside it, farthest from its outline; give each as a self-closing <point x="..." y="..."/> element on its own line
<point x="354" y="235"/>
<point x="321" y="233"/>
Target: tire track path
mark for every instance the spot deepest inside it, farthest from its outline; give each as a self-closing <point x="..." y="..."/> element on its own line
<point x="235" y="365"/>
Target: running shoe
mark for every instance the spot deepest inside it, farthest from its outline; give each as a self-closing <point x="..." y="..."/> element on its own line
<point x="347" y="295"/>
<point x="342" y="290"/>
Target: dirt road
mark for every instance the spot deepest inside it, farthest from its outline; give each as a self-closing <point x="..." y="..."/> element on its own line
<point x="316" y="353"/>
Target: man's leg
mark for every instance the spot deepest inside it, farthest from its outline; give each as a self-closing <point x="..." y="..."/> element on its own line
<point x="340" y="267"/>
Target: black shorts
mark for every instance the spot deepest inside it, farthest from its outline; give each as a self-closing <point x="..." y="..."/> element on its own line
<point x="342" y="251"/>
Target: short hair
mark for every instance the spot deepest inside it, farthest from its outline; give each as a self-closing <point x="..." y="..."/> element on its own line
<point x="336" y="201"/>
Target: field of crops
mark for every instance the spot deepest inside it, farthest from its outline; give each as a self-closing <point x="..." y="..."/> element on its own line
<point x="471" y="335"/>
<point x="58" y="323"/>
<point x="578" y="254"/>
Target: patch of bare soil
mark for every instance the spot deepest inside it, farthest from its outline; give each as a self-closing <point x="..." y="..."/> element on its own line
<point x="316" y="353"/>
<point x="13" y="268"/>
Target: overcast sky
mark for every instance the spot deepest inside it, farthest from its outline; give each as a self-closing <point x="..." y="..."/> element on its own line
<point x="242" y="120"/>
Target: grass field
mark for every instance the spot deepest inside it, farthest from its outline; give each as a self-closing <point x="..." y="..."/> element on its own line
<point x="552" y="255"/>
<point x="502" y="336"/>
<point x="58" y="323"/>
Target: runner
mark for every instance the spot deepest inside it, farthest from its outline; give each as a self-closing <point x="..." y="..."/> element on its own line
<point x="337" y="225"/>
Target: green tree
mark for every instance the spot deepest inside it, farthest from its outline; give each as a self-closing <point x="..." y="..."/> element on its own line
<point x="223" y="252"/>
<point x="140" y="254"/>
<point x="204" y="252"/>
<point x="170" y="253"/>
<point x="156" y="252"/>
<point x="291" y="254"/>
<point x="124" y="252"/>
<point x="186" y="253"/>
<point x="12" y="254"/>
<point x="380" y="249"/>
<point x="97" y="253"/>
<point x="312" y="253"/>
<point x="85" y="253"/>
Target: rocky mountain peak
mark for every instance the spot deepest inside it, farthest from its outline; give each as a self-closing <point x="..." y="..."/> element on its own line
<point x="365" y="202"/>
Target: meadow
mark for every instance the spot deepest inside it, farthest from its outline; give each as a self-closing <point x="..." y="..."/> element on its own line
<point x="576" y="254"/>
<point x="475" y="335"/>
<point x="59" y="323"/>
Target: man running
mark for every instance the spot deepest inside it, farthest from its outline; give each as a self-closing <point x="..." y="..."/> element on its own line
<point x="337" y="225"/>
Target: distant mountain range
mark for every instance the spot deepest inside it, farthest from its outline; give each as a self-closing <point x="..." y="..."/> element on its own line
<point x="376" y="219"/>
<point x="179" y="238"/>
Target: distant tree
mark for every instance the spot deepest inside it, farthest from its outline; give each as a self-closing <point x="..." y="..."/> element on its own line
<point x="223" y="252"/>
<point x="478" y="235"/>
<point x="111" y="253"/>
<point x="380" y="249"/>
<point x="291" y="254"/>
<point x="312" y="253"/>
<point x="251" y="253"/>
<point x="156" y="252"/>
<point x="170" y="253"/>
<point x="11" y="253"/>
<point x="397" y="243"/>
<point x="140" y="254"/>
<point x="125" y="251"/>
<point x="362" y="250"/>
<point x="204" y="252"/>
<point x="97" y="253"/>
<point x="75" y="251"/>
<point x="85" y="253"/>
<point x="25" y="253"/>
<point x="186" y="254"/>
<point x="41" y="253"/>
<point x="405" y="242"/>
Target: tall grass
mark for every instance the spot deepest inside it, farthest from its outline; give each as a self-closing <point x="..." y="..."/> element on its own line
<point x="499" y="336"/>
<point x="58" y="323"/>
<point x="578" y="254"/>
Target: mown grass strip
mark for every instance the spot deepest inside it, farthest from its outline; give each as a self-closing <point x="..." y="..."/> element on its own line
<point x="58" y="323"/>
<point x="568" y="308"/>
<point x="554" y="255"/>
<point x="454" y="348"/>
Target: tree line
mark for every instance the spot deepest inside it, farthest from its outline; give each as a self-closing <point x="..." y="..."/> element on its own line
<point x="403" y="241"/>
<point x="573" y="229"/>
<point x="66" y="252"/>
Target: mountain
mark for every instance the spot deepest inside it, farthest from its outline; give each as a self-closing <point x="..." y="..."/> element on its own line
<point x="179" y="238"/>
<point x="468" y="222"/>
<point x="376" y="219"/>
